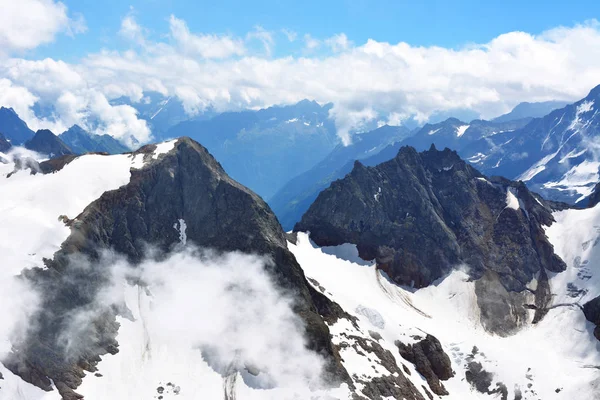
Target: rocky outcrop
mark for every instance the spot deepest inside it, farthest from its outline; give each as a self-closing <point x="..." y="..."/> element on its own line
<point x="46" y="142"/>
<point x="187" y="184"/>
<point x="430" y="360"/>
<point x="591" y="310"/>
<point x="422" y="214"/>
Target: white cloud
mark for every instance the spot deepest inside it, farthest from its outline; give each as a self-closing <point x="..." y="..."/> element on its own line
<point x="131" y="30"/>
<point x="339" y="42"/>
<point x="348" y="120"/>
<point x="252" y="325"/>
<point x="203" y="45"/>
<point x="311" y="43"/>
<point x="291" y="35"/>
<point x="19" y="303"/>
<point x="265" y="37"/>
<point x="26" y="24"/>
<point x="380" y="77"/>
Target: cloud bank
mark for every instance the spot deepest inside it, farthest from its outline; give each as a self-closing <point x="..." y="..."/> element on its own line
<point x="389" y="82"/>
<point x="224" y="307"/>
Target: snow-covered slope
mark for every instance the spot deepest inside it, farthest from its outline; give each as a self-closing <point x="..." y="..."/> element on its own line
<point x="555" y="359"/>
<point x="217" y="326"/>
<point x="31" y="204"/>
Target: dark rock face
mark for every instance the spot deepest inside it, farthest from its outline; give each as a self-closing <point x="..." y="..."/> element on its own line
<point x="421" y="214"/>
<point x="294" y="198"/>
<point x="394" y="385"/>
<point x="186" y="183"/>
<point x="430" y="360"/>
<point x="46" y="142"/>
<point x="591" y="309"/>
<point x="4" y="144"/>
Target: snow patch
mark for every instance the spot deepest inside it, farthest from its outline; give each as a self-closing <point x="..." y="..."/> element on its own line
<point x="536" y="168"/>
<point x="572" y="154"/>
<point x="460" y="130"/>
<point x="289" y="121"/>
<point x="377" y="195"/>
<point x="477" y="158"/>
<point x="433" y="131"/>
<point x="511" y="199"/>
<point x="164" y="147"/>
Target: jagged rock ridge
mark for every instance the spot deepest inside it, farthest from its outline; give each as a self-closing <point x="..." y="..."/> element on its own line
<point x="422" y="214"/>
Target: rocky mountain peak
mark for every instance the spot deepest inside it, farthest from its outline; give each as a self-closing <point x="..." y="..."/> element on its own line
<point x="176" y="189"/>
<point x="420" y="215"/>
<point x="48" y="143"/>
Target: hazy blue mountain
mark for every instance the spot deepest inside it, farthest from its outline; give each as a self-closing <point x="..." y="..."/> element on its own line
<point x="456" y="135"/>
<point x="162" y="112"/>
<point x="80" y="141"/>
<point x="293" y="199"/>
<point x="14" y="129"/>
<point x="4" y="144"/>
<point x="263" y="149"/>
<point x="46" y="142"/>
<point x="531" y="110"/>
<point x="555" y="155"/>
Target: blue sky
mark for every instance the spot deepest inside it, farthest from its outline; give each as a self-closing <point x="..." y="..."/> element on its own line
<point x="432" y="22"/>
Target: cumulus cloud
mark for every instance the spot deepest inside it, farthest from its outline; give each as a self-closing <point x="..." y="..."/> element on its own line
<point x="26" y="24"/>
<point x="373" y="81"/>
<point x="204" y="45"/>
<point x="310" y="43"/>
<point x="131" y="30"/>
<point x="338" y="42"/>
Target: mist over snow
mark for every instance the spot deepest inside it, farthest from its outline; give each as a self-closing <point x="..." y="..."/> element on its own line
<point x="19" y="303"/>
<point x="196" y="319"/>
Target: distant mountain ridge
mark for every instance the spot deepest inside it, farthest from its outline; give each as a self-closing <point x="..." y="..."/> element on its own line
<point x="14" y="128"/>
<point x="46" y="142"/>
<point x="530" y="110"/>
<point x="81" y="141"/>
<point x="264" y="149"/>
<point x="555" y="155"/>
<point x="293" y="199"/>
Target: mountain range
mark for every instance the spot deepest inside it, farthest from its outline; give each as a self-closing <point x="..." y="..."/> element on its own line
<point x="155" y="274"/>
